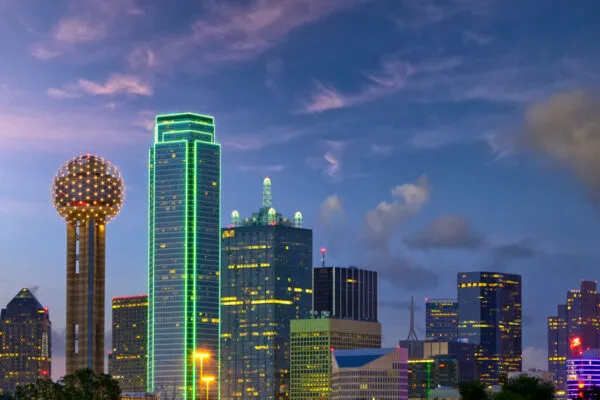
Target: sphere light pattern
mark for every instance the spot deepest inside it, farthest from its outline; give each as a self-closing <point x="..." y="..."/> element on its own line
<point x="88" y="188"/>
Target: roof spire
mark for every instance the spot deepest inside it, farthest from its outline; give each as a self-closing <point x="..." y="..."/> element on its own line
<point x="266" y="194"/>
<point x="412" y="335"/>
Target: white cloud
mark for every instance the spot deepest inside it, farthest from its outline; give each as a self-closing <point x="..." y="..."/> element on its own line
<point x="535" y="358"/>
<point x="115" y="84"/>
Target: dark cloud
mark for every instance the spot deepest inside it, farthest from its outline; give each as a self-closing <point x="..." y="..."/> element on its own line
<point x="446" y="232"/>
<point x="514" y="251"/>
<point x="332" y="220"/>
<point x="406" y="273"/>
<point x="566" y="129"/>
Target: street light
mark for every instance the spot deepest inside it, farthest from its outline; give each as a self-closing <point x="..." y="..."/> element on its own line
<point x="208" y="380"/>
<point x="201" y="355"/>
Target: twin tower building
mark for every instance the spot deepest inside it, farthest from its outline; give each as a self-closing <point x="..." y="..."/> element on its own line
<point x="220" y="301"/>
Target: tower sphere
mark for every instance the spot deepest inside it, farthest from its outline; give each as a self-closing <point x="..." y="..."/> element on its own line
<point x="88" y="188"/>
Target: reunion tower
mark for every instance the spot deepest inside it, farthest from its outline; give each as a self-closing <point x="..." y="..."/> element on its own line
<point x="87" y="192"/>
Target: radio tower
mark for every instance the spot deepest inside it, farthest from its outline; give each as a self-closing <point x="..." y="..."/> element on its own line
<point x="412" y="335"/>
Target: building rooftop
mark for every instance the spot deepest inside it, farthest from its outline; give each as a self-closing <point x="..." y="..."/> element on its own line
<point x="359" y="357"/>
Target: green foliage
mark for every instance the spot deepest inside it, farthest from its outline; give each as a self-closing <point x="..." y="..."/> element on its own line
<point x="472" y="391"/>
<point x="82" y="385"/>
<point x="592" y="394"/>
<point x="522" y="387"/>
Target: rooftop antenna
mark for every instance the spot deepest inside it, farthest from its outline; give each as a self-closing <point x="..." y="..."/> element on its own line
<point x="323" y="251"/>
<point x="235" y="218"/>
<point x="266" y="194"/>
<point x="412" y="335"/>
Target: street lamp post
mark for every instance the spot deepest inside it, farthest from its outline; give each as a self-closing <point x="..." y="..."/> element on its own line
<point x="208" y="380"/>
<point x="201" y="355"/>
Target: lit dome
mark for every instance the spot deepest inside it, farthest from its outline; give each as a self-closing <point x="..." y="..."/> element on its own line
<point x="88" y="188"/>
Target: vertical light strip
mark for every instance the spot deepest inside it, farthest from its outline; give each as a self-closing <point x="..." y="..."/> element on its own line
<point x="186" y="353"/>
<point x="219" y="280"/>
<point x="151" y="270"/>
<point x="195" y="288"/>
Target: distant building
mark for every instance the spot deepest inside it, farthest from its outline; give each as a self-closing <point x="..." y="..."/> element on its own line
<point x="441" y="319"/>
<point x="583" y="373"/>
<point x="25" y="342"/>
<point x="444" y="393"/>
<point x="572" y="330"/>
<point x="266" y="282"/>
<point x="138" y="396"/>
<point x="345" y="292"/>
<point x="128" y="358"/>
<point x="370" y="374"/>
<point x="312" y="343"/>
<point x="463" y="353"/>
<point x="545" y="376"/>
<point x="490" y="316"/>
<point x="422" y="378"/>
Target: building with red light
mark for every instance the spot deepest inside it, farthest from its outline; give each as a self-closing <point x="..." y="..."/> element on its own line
<point x="25" y="334"/>
<point x="573" y="330"/>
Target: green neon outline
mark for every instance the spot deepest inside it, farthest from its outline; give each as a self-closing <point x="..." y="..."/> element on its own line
<point x="186" y="356"/>
<point x="151" y="262"/>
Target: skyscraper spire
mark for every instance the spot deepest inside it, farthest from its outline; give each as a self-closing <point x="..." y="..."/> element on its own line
<point x="412" y="335"/>
<point x="266" y="194"/>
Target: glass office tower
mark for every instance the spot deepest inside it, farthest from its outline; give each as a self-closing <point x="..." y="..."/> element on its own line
<point x="346" y="293"/>
<point x="184" y="257"/>
<point x="490" y="316"/>
<point x="441" y="319"/>
<point x="128" y="358"/>
<point x="266" y="283"/>
<point x="24" y="342"/>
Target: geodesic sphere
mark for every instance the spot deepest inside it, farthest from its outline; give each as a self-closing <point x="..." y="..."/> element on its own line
<point x="88" y="188"/>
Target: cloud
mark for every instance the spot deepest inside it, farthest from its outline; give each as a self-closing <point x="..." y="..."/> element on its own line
<point x="513" y="251"/>
<point x="399" y="304"/>
<point x="274" y="67"/>
<point x="261" y="168"/>
<point x="426" y="13"/>
<point x="330" y="211"/>
<point x="433" y="139"/>
<point x="403" y="272"/>
<point x="383" y="220"/>
<point x="535" y="358"/>
<point x="477" y="38"/>
<point x="566" y="129"/>
<point x="115" y="84"/>
<point x="392" y="76"/>
<point x="502" y="146"/>
<point x="78" y="30"/>
<point x="235" y="32"/>
<point x="382" y="150"/>
<point x="330" y="162"/>
<point x="446" y="232"/>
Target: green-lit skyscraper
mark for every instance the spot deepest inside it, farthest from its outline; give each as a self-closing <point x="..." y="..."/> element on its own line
<point x="184" y="257"/>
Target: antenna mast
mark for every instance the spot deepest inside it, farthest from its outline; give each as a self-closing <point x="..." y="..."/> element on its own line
<point x="323" y="251"/>
<point x="412" y="335"/>
<point x="266" y="194"/>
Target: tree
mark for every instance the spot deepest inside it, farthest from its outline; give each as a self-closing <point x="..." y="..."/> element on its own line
<point x="530" y="388"/>
<point x="472" y="391"/>
<point x="592" y="393"/>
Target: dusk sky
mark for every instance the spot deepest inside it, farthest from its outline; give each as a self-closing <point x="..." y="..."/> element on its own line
<point x="419" y="138"/>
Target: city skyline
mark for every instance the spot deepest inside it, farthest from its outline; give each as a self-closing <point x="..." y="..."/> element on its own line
<point x="337" y="116"/>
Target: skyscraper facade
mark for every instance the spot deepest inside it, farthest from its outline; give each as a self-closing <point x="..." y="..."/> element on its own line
<point x="128" y="359"/>
<point x="87" y="192"/>
<point x="345" y="292"/>
<point x="574" y="329"/>
<point x="312" y="342"/>
<point x="184" y="256"/>
<point x="490" y="316"/>
<point x="441" y="319"/>
<point x="25" y="342"/>
<point x="266" y="282"/>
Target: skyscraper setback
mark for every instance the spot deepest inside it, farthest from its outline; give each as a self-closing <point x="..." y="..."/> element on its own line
<point x="184" y="257"/>
<point x="87" y="192"/>
<point x="490" y="316"/>
<point x="346" y="293"/>
<point x="266" y="282"/>
<point x="575" y="328"/>
<point x="25" y="342"/>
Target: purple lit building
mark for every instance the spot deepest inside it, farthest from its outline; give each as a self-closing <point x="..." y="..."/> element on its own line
<point x="583" y="373"/>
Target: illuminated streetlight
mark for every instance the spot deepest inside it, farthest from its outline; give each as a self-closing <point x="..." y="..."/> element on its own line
<point x="208" y="380"/>
<point x="201" y="355"/>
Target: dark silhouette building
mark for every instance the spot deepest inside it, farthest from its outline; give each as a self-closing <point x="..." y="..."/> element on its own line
<point x="25" y="342"/>
<point x="266" y="282"/>
<point x="128" y="358"/>
<point x="345" y="292"/>
<point x="441" y="319"/>
<point x="490" y="316"/>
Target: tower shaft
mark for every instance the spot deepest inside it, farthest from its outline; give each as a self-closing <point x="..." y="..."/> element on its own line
<point x="85" y="296"/>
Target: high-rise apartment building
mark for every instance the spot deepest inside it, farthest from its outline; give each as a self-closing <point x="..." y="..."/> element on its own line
<point x="129" y="356"/>
<point x="312" y="342"/>
<point x="25" y="342"/>
<point x="266" y="282"/>
<point x="345" y="292"/>
<point x="441" y="319"/>
<point x="184" y="257"/>
<point x="490" y="316"/>
<point x="87" y="192"/>
<point x="370" y="374"/>
<point x="574" y="329"/>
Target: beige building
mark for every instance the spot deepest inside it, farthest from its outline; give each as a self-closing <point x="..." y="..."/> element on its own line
<point x="312" y="342"/>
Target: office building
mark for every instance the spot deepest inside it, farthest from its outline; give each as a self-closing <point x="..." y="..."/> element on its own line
<point x="266" y="282"/>
<point x="441" y="319"/>
<point x="463" y="353"/>
<point x="312" y="342"/>
<point x="545" y="376"/>
<point x="490" y="316"/>
<point x="184" y="257"/>
<point x="422" y="378"/>
<point x="87" y="193"/>
<point x="345" y="292"/>
<point x="370" y="374"/>
<point x="128" y="358"/>
<point x="583" y="373"/>
<point x="25" y="342"/>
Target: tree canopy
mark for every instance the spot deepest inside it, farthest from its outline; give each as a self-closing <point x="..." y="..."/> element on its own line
<point x="522" y="387"/>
